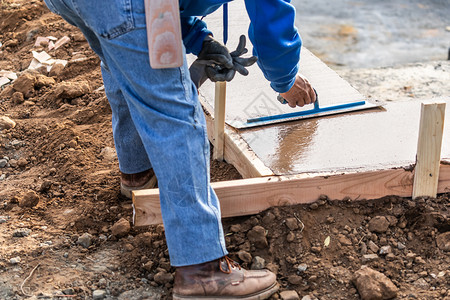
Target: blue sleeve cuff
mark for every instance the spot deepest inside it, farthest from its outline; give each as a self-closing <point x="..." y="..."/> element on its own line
<point x="194" y="32"/>
<point x="284" y="87"/>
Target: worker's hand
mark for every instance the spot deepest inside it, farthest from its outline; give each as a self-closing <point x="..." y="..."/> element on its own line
<point x="208" y="66"/>
<point x="300" y="94"/>
<point x="216" y="59"/>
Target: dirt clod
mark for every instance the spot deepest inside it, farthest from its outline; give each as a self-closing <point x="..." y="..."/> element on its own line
<point x="30" y="199"/>
<point x="121" y="228"/>
<point x="373" y="285"/>
<point x="289" y="295"/>
<point x="379" y="224"/>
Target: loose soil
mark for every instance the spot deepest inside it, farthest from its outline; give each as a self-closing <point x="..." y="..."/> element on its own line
<point x="60" y="153"/>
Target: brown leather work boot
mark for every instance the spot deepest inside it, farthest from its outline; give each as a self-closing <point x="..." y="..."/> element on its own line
<point x="223" y="279"/>
<point x="137" y="181"/>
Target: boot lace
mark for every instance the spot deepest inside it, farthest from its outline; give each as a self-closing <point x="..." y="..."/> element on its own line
<point x="230" y="264"/>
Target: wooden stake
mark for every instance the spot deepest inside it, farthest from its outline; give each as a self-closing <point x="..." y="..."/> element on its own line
<point x="219" y="119"/>
<point x="429" y="149"/>
<point x="251" y="196"/>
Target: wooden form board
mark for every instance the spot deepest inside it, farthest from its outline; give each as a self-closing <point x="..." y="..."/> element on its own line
<point x="429" y="149"/>
<point x="251" y="196"/>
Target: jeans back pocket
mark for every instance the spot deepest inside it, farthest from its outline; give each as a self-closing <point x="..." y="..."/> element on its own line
<point x="109" y="19"/>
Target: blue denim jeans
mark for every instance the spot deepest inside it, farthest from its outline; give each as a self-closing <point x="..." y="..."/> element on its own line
<point x="157" y="122"/>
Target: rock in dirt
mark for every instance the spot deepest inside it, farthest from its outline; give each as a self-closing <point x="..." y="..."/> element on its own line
<point x="25" y="84"/>
<point x="379" y="224"/>
<point x="369" y="257"/>
<point x="163" y="277"/>
<point x="289" y="295"/>
<point x="257" y="236"/>
<point x="292" y="223"/>
<point x="3" y="163"/>
<point x="6" y="123"/>
<point x="258" y="263"/>
<point x="21" y="232"/>
<point x="245" y="256"/>
<point x="71" y="90"/>
<point x="17" y="98"/>
<point x="443" y="241"/>
<point x="42" y="80"/>
<point x="99" y="294"/>
<point x="373" y="285"/>
<point x="30" y="199"/>
<point x="85" y="240"/>
<point x="15" y="260"/>
<point x="108" y="153"/>
<point x="121" y="228"/>
<point x="22" y="162"/>
<point x="56" y="70"/>
<point x="142" y="294"/>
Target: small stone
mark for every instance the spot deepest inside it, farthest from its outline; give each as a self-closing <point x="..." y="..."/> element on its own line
<point x="22" y="162"/>
<point x="25" y="84"/>
<point x="121" y="228"/>
<point x="6" y="123"/>
<point x="72" y="144"/>
<point x="419" y="260"/>
<point x="443" y="241"/>
<point x="108" y="153"/>
<point x="385" y="250"/>
<point x="56" y="70"/>
<point x="314" y="206"/>
<point x="163" y="277"/>
<point x="128" y="247"/>
<point x="3" y="163"/>
<point x="99" y="294"/>
<point x="378" y="224"/>
<point x="289" y="295"/>
<point x="302" y="268"/>
<point x="148" y="265"/>
<point x="52" y="171"/>
<point x="295" y="279"/>
<point x="71" y="90"/>
<point x="258" y="263"/>
<point x="390" y="256"/>
<point x="42" y="80"/>
<point x="257" y="236"/>
<point x="13" y="163"/>
<point x="17" y="98"/>
<point x="85" y="240"/>
<point x="369" y="257"/>
<point x="373" y="285"/>
<point x="3" y="219"/>
<point x="310" y="297"/>
<point x="316" y="249"/>
<point x="68" y="291"/>
<point x="290" y="237"/>
<point x="401" y="246"/>
<point x="245" y="256"/>
<point x="30" y="199"/>
<point x="292" y="223"/>
<point x="235" y="228"/>
<point x="344" y="241"/>
<point x="15" y="260"/>
<point x="45" y="186"/>
<point x="21" y="232"/>
<point x="372" y="246"/>
<point x="102" y="283"/>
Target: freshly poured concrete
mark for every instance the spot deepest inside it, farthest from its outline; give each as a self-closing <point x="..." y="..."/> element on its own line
<point x="252" y="96"/>
<point x="369" y="140"/>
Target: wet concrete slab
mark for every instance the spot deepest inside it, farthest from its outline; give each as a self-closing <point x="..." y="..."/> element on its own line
<point x="360" y="141"/>
<point x="252" y="97"/>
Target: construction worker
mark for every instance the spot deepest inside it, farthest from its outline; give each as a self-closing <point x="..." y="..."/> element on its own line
<point x="159" y="125"/>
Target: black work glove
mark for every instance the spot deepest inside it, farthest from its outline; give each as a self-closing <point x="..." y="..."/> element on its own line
<point x="213" y="62"/>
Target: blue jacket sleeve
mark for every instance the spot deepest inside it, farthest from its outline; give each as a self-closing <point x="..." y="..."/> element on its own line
<point x="275" y="40"/>
<point x="193" y="31"/>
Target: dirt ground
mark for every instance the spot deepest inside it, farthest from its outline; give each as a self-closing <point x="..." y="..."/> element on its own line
<point x="59" y="194"/>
